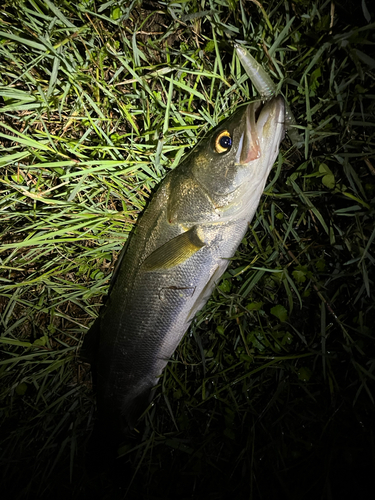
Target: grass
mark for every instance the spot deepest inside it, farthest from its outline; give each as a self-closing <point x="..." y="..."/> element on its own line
<point x="271" y="392"/>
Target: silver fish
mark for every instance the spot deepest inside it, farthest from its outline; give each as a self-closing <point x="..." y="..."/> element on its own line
<point x="180" y="248"/>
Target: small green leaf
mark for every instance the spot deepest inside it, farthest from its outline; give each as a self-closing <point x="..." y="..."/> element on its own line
<point x="220" y="329"/>
<point x="210" y="47"/>
<point x="254" y="306"/>
<point x="21" y="388"/>
<point x="225" y="286"/>
<point x="280" y="312"/>
<point x="304" y="374"/>
<point x="177" y="394"/>
<point x="287" y="339"/>
<point x="324" y="169"/>
<point x="328" y="177"/>
<point x="299" y="276"/>
<point x="40" y="342"/>
<point x="116" y="13"/>
<point x="329" y="181"/>
<point x="17" y="178"/>
<point x="320" y="265"/>
<point x="257" y="340"/>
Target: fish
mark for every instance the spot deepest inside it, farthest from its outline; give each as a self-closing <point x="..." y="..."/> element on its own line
<point x="181" y="246"/>
<point x="267" y="89"/>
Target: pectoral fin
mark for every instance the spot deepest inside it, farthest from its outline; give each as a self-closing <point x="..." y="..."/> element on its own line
<point x="175" y="251"/>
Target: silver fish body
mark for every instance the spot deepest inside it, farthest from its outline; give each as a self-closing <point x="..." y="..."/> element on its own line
<point x="180" y="248"/>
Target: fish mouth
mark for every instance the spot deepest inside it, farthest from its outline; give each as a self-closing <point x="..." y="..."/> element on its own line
<point x="257" y="116"/>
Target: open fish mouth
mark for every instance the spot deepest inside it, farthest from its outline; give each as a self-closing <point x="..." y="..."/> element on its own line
<point x="257" y="124"/>
<point x="275" y="107"/>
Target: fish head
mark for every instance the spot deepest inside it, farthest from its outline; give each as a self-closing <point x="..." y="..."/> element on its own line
<point x="242" y="149"/>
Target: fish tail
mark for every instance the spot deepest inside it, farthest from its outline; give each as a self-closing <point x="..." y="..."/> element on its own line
<point x="102" y="464"/>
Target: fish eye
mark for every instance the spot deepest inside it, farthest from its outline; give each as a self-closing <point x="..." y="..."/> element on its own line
<point x="223" y="142"/>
